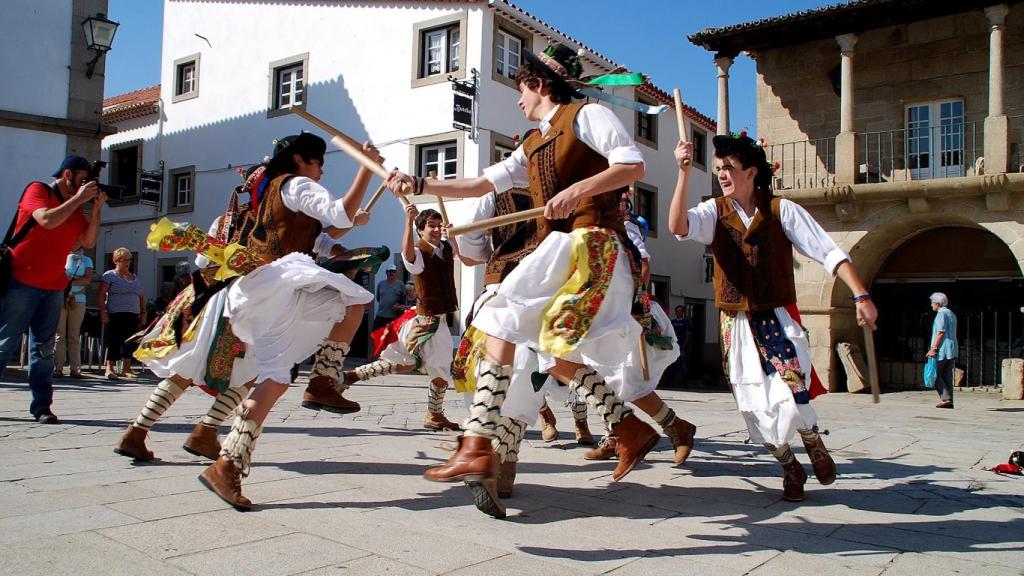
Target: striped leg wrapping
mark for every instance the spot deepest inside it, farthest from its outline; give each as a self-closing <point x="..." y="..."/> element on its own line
<point x="509" y="436"/>
<point x="809" y="435"/>
<point x="664" y="417"/>
<point x="492" y="382"/>
<point x="435" y="398"/>
<point x="329" y="360"/>
<point x="375" y="369"/>
<point x="783" y="453"/>
<point x="579" y="410"/>
<point x="224" y="405"/>
<point x="165" y="394"/>
<point x="589" y="385"/>
<point x="240" y="442"/>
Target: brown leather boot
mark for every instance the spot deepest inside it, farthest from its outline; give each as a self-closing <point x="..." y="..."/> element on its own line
<point x="203" y="442"/>
<point x="636" y="439"/>
<point x="793" y="481"/>
<point x="322" y="395"/>
<point x="133" y="444"/>
<point x="548" y="432"/>
<point x="473" y="459"/>
<point x="583" y="435"/>
<point x="438" y="422"/>
<point x="681" y="432"/>
<point x="821" y="461"/>
<point x="506" y="478"/>
<point x="225" y="480"/>
<point x="606" y="449"/>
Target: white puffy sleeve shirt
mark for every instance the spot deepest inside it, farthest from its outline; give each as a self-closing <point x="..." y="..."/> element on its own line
<point x="477" y="245"/>
<point x="595" y="125"/>
<point x="637" y="238"/>
<point x="807" y="236"/>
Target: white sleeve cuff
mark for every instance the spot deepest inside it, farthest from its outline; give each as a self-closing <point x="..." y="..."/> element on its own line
<point x="499" y="177"/>
<point x="625" y="155"/>
<point x="417" y="267"/>
<point x="833" y="259"/>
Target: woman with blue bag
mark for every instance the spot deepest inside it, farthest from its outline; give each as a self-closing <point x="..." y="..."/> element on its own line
<point x="943" y="351"/>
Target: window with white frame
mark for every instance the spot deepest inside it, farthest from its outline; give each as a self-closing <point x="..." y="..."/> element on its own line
<point x="646" y="124"/>
<point x="502" y="152"/>
<point x="441" y="159"/>
<point x="508" y="55"/>
<point x="289" y="86"/>
<point x="935" y="139"/>
<point x="186" y="78"/>
<point x="182" y="196"/>
<point x="645" y="203"/>
<point x="439" y="51"/>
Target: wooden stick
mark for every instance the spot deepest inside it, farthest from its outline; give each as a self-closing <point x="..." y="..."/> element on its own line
<point x="644" y="366"/>
<point x="680" y="119"/>
<point x="869" y="349"/>
<point x="349" y="146"/>
<point x="444" y="213"/>
<point x="376" y="196"/>
<point x="487" y="223"/>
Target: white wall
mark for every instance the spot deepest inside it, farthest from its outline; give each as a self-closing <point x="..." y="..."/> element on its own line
<point x="28" y="155"/>
<point x="35" y="58"/>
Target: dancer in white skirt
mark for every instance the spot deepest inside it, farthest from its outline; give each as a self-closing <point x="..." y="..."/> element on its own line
<point x="752" y="234"/>
<point x="283" y="311"/>
<point x="425" y="340"/>
<point x="184" y="351"/>
<point x="571" y="298"/>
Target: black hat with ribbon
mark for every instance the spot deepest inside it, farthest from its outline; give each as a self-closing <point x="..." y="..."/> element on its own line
<point x="562" y="64"/>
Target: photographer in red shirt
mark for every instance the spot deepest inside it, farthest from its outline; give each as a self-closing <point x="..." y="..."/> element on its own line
<point x="36" y="290"/>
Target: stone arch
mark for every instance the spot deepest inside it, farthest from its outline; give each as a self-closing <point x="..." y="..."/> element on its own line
<point x="882" y="234"/>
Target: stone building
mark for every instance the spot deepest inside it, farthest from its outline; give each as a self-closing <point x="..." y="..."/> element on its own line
<point x="899" y="125"/>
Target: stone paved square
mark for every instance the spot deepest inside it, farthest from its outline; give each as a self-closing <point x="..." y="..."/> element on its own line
<point x="344" y="495"/>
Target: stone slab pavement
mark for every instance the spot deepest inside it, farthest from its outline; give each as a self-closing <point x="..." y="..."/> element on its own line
<point x="344" y="495"/>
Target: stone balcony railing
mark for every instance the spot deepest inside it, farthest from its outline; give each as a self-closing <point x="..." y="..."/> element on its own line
<point x="949" y="151"/>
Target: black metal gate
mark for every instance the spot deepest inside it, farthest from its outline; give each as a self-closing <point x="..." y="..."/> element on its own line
<point x="990" y="327"/>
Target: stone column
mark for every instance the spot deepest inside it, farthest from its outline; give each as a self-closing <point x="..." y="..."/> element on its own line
<point x="846" y="140"/>
<point x="997" y="142"/>
<point x="722" y="63"/>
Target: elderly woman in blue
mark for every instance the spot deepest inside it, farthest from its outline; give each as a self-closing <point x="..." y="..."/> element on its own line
<point x="944" y="348"/>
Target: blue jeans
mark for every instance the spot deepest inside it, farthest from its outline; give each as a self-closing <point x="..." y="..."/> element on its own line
<point x="38" y="311"/>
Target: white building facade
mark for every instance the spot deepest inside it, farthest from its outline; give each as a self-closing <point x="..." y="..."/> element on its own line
<point x="377" y="71"/>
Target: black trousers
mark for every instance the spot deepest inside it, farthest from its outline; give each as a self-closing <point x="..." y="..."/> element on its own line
<point x="119" y="328"/>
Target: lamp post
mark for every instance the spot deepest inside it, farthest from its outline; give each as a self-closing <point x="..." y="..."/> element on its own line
<point x="99" y="37"/>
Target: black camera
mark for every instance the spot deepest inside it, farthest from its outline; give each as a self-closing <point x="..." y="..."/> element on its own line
<point x="113" y="191"/>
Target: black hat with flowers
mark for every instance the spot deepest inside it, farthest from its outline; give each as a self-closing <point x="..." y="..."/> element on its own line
<point x="560" y="64"/>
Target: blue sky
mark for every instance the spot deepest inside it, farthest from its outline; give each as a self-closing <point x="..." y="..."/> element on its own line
<point x="647" y="36"/>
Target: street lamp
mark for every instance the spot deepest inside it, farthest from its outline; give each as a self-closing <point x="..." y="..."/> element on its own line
<point x="99" y="37"/>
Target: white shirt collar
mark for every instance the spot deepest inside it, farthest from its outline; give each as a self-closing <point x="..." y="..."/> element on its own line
<point x="545" y="122"/>
<point x="438" y="251"/>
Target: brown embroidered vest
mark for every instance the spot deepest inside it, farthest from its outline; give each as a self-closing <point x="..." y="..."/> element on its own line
<point x="279" y="231"/>
<point x="435" y="286"/>
<point x="559" y="159"/>
<point x="511" y="242"/>
<point x="753" y="266"/>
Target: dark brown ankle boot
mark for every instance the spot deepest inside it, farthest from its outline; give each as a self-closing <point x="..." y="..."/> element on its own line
<point x="203" y="442"/>
<point x="133" y="444"/>
<point x="636" y="439"/>
<point x="225" y="480"/>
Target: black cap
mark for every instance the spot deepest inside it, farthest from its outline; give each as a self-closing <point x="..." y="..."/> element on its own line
<point x="73" y="162"/>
